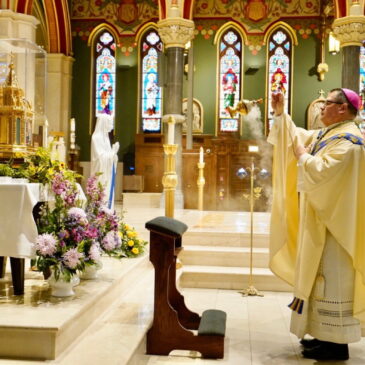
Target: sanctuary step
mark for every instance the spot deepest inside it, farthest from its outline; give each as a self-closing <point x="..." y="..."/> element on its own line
<point x="141" y="200"/>
<point x="217" y="253"/>
<point x="39" y="326"/>
<point x="225" y="277"/>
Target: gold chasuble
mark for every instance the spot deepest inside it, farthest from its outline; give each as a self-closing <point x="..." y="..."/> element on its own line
<point x="332" y="199"/>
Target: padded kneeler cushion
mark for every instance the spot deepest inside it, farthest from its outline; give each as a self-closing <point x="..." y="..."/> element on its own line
<point x="213" y="323"/>
<point x="167" y="225"/>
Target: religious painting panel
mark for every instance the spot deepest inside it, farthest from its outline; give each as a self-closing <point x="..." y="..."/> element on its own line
<point x="255" y="15"/>
<point x="151" y="92"/>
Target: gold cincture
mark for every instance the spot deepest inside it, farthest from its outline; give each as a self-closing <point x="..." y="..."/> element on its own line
<point x="16" y="118"/>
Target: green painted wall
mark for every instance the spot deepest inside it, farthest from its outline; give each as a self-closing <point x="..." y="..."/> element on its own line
<point x="305" y="87"/>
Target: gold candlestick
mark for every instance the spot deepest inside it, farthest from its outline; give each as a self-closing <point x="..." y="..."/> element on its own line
<point x="169" y="179"/>
<point x="201" y="183"/>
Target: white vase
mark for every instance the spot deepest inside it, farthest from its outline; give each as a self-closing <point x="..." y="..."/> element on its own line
<point x="91" y="271"/>
<point x="61" y="287"/>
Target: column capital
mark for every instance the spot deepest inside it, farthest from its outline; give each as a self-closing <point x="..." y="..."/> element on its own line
<point x="175" y="32"/>
<point x="350" y="30"/>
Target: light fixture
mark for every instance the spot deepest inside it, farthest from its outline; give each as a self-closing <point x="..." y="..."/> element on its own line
<point x="333" y="44"/>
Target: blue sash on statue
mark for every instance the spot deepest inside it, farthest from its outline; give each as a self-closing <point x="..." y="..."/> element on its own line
<point x="112" y="185"/>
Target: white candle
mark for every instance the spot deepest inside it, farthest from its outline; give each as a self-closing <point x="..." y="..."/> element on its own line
<point x="171" y="131"/>
<point x="73" y="125"/>
<point x="201" y="155"/>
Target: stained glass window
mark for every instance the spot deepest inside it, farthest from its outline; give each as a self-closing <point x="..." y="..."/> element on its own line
<point x="362" y="82"/>
<point x="151" y="92"/>
<point x="229" y="80"/>
<point x="279" y="68"/>
<point x="105" y="74"/>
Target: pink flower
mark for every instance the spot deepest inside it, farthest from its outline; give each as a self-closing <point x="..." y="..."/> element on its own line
<point x="46" y="244"/>
<point x="72" y="257"/>
<point x="77" y="213"/>
<point x="94" y="252"/>
<point x="111" y="241"/>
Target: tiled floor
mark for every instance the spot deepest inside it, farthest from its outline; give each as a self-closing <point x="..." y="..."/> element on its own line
<point x="257" y="327"/>
<point x="257" y="331"/>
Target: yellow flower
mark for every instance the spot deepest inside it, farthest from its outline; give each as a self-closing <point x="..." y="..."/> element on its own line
<point x="120" y="234"/>
<point x="50" y="171"/>
<point x="126" y="227"/>
<point x="135" y="250"/>
<point x="130" y="243"/>
<point x="131" y="234"/>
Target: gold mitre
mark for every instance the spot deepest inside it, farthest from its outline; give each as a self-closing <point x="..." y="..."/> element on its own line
<point x="243" y="107"/>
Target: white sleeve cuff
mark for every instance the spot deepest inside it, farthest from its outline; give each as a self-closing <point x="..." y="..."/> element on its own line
<point x="303" y="159"/>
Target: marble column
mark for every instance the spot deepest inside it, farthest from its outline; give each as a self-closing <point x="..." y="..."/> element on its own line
<point x="350" y="31"/>
<point x="58" y="100"/>
<point x="175" y="32"/>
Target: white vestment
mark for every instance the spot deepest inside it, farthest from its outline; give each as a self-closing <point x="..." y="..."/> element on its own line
<point x="320" y="249"/>
<point x="104" y="157"/>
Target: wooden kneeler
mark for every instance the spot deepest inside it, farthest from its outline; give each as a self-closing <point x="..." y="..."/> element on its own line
<point x="173" y="322"/>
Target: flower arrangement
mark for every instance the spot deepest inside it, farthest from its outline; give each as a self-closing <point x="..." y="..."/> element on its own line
<point x="72" y="238"/>
<point x="6" y="170"/>
<point x="117" y="238"/>
<point x="40" y="168"/>
<point x="132" y="246"/>
<point x="66" y="241"/>
<point x="104" y="221"/>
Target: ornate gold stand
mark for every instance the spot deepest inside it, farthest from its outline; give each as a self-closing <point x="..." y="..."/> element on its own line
<point x="255" y="193"/>
<point x="201" y="183"/>
<point x="169" y="179"/>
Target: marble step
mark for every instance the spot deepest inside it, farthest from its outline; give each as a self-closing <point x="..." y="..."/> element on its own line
<point x="224" y="256"/>
<point x="39" y="326"/>
<point x="141" y="200"/>
<point x="221" y="238"/>
<point x="219" y="277"/>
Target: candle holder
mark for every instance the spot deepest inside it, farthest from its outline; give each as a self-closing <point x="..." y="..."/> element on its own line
<point x="201" y="183"/>
<point x="252" y="172"/>
<point x="169" y="179"/>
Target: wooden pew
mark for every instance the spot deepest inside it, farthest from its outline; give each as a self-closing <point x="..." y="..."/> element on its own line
<point x="173" y="322"/>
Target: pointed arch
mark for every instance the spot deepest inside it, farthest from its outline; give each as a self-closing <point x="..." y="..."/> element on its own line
<point x="58" y="23"/>
<point x="280" y="40"/>
<point x="149" y="91"/>
<point x="229" y="41"/>
<point x="227" y="25"/>
<point x="103" y="26"/>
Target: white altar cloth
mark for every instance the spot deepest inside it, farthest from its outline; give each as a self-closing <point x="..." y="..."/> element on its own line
<point x="18" y="230"/>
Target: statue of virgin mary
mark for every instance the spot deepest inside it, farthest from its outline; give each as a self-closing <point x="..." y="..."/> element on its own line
<point x="104" y="156"/>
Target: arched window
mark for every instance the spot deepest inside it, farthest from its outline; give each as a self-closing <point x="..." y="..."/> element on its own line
<point x="279" y="61"/>
<point x="151" y="92"/>
<point x="104" y="71"/>
<point x="362" y="82"/>
<point x="230" y="61"/>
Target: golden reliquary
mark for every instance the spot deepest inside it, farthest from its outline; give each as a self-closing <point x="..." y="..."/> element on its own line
<point x="16" y="118"/>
